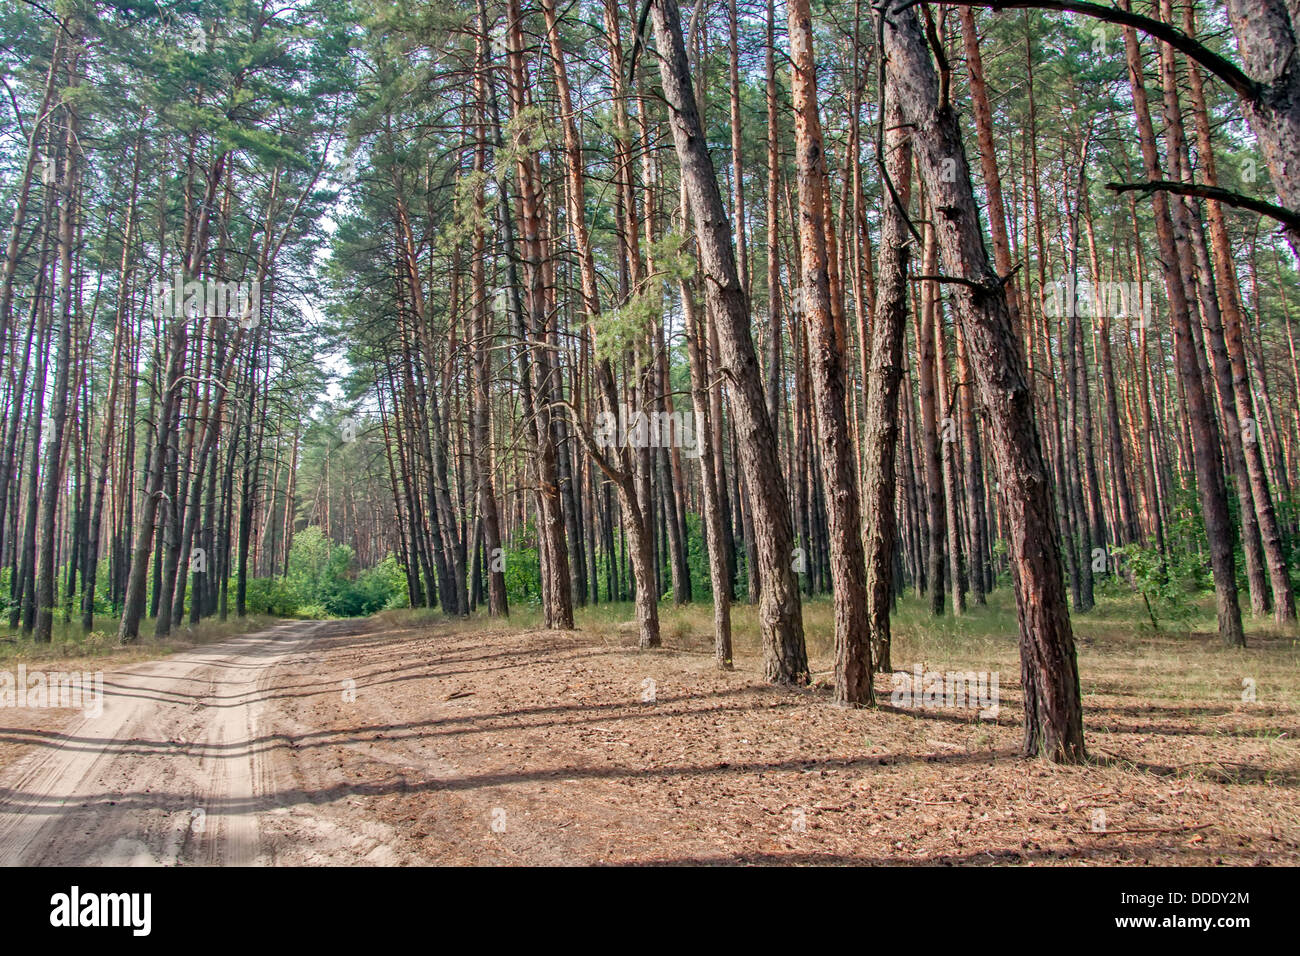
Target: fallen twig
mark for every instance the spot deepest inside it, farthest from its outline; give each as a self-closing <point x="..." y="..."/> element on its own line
<point x="931" y="803"/>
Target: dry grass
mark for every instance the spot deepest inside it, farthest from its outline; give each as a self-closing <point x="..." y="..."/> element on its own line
<point x="70" y="647"/>
<point x="1119" y="652"/>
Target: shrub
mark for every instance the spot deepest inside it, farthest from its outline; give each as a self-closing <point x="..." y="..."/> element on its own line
<point x="321" y="581"/>
<point x="523" y="576"/>
<point x="271" y="596"/>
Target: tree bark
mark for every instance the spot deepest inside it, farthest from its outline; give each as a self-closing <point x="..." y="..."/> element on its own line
<point x="780" y="621"/>
<point x="853" y="673"/>
<point x="1049" y="672"/>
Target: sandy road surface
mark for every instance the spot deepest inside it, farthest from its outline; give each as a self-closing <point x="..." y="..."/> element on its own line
<point x="392" y="741"/>
<point x="177" y="768"/>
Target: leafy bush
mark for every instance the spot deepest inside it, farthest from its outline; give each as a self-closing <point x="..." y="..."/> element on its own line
<point x="271" y="596"/>
<point x="523" y="576"/>
<point x="321" y="581"/>
<point x="384" y="585"/>
<point x="1164" y="583"/>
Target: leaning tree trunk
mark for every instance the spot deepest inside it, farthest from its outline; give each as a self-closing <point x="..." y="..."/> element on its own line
<point x="1049" y="671"/>
<point x="1267" y="41"/>
<point x="779" y="614"/>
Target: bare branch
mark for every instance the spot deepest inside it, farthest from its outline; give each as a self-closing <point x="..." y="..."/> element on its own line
<point x="1281" y="214"/>
<point x="1221" y="67"/>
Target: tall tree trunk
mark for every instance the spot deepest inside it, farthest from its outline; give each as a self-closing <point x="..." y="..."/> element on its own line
<point x="925" y="348"/>
<point x="1284" y="607"/>
<point x="110" y="403"/>
<point x="780" y="620"/>
<point x="1049" y="671"/>
<point x="827" y="340"/>
<point x="1206" y="449"/>
<point x="481" y="435"/>
<point x="635" y="503"/>
<point x="66" y="188"/>
<point x="880" y="434"/>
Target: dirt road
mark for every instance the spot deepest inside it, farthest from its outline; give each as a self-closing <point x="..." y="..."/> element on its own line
<point x="393" y="741"/>
<point x="175" y="769"/>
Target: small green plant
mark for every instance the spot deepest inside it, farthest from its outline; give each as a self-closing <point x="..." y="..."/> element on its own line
<point x="1165" y="585"/>
<point x="97" y="641"/>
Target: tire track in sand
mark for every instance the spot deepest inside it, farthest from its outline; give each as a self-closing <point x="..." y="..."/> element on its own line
<point x="172" y="771"/>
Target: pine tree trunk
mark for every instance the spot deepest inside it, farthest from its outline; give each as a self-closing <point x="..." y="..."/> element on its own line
<point x="853" y="673"/>
<point x="881" y="431"/>
<point x="1049" y="672"/>
<point x="780" y="621"/>
<point x="1206" y="448"/>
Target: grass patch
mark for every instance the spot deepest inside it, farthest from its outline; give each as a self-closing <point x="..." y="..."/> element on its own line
<point x="1120" y="655"/>
<point x="70" y="643"/>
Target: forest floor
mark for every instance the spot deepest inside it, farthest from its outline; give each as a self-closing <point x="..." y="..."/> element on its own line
<point x="409" y="738"/>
